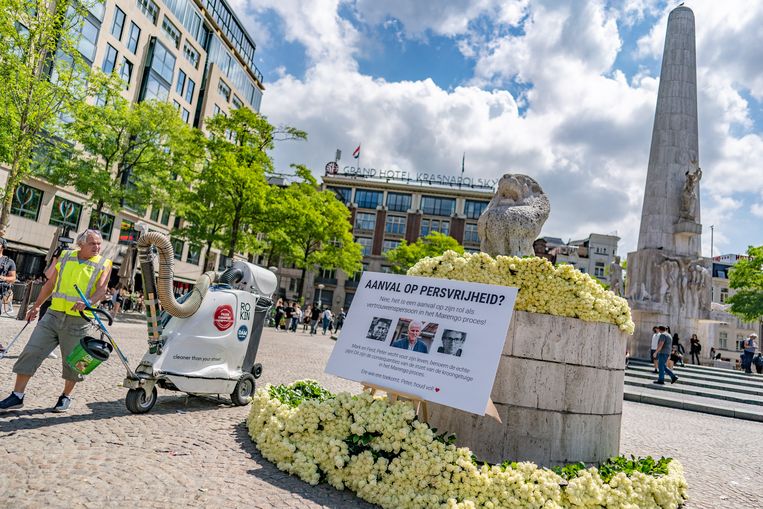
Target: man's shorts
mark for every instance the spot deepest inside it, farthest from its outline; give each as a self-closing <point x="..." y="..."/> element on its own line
<point x="651" y="354"/>
<point x="53" y="329"/>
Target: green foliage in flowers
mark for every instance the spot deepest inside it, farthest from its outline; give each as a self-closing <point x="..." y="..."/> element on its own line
<point x="301" y="390"/>
<point x="385" y="454"/>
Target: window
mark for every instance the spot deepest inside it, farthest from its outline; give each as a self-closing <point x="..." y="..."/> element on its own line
<point x="724" y="294"/>
<point x="389" y="245"/>
<point x="327" y="273"/>
<point x="222" y="262"/>
<point x="150" y="9"/>
<point x="194" y="254"/>
<point x="176" y="223"/>
<point x="216" y="110"/>
<point x="155" y="213"/>
<point x="224" y="90"/>
<point x="598" y="270"/>
<point x="26" y="202"/>
<point x="133" y="38"/>
<point x="434" y="225"/>
<point x="186" y="115"/>
<point x="177" y="248"/>
<point x="65" y="213"/>
<point x="190" y="54"/>
<point x="343" y="194"/>
<point x="368" y="199"/>
<point x="176" y="104"/>
<point x="155" y="89"/>
<point x="163" y="62"/>
<point x="117" y="27"/>
<point x="474" y="209"/>
<point x="87" y="37"/>
<point x="236" y="102"/>
<point x="166" y="216"/>
<point x="470" y="233"/>
<point x="125" y="72"/>
<point x="723" y="339"/>
<point x="181" y="82"/>
<point x="395" y="224"/>
<point x="189" y="90"/>
<point x="102" y="222"/>
<point x="348" y="300"/>
<point x="398" y="202"/>
<point x="97" y="9"/>
<point x="110" y="59"/>
<point x="171" y="32"/>
<point x="365" y="221"/>
<point x="367" y="244"/>
<point x="438" y="206"/>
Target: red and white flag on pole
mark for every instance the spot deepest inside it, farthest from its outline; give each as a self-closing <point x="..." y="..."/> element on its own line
<point x="356" y="154"/>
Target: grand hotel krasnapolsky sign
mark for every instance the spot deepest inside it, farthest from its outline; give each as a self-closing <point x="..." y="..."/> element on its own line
<point x="332" y="168"/>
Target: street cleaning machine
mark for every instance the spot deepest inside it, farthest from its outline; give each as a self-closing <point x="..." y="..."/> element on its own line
<point x="206" y="341"/>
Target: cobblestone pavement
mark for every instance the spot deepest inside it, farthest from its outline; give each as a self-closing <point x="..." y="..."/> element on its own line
<point x="194" y="452"/>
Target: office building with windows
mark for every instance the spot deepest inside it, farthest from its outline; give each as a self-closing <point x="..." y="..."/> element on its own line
<point x="384" y="212"/>
<point x="195" y="54"/>
<point x="592" y="255"/>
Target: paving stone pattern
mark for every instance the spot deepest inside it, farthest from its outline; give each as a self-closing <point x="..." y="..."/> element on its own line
<point x="195" y="452"/>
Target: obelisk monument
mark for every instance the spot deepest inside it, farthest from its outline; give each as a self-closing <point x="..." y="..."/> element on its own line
<point x="669" y="282"/>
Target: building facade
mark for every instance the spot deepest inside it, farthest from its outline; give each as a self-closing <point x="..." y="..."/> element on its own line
<point x="195" y="54"/>
<point x="724" y="331"/>
<point x="384" y="212"/>
<point x="592" y="255"/>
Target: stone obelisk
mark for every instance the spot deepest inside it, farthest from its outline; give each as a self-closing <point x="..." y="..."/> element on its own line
<point x="668" y="280"/>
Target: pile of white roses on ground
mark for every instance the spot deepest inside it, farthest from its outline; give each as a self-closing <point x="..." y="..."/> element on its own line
<point x="543" y="288"/>
<point x="382" y="452"/>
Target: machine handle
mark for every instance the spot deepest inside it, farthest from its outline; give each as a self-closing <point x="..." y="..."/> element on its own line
<point x="97" y="310"/>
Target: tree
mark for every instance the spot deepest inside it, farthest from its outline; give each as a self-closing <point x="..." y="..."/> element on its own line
<point x="311" y="228"/>
<point x="126" y="153"/>
<point x="226" y="202"/>
<point x="43" y="75"/>
<point x="405" y="256"/>
<point x="746" y="277"/>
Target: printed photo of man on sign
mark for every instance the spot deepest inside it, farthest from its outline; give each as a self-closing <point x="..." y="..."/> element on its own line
<point x="413" y="335"/>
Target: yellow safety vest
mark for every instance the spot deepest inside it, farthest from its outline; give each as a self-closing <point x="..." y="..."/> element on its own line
<point x="72" y="271"/>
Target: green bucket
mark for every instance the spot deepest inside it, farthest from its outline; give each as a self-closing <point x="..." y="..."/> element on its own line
<point x="88" y="355"/>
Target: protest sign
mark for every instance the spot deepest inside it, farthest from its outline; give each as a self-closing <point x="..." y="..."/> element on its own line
<point x="437" y="339"/>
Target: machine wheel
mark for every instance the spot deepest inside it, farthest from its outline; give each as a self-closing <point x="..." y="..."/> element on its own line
<point x="242" y="394"/>
<point x="257" y="370"/>
<point x="138" y="402"/>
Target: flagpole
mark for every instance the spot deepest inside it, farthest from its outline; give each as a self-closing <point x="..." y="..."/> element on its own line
<point x="463" y="160"/>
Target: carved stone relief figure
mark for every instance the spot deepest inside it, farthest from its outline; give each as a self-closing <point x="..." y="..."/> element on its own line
<point x="689" y="193"/>
<point x="616" y="277"/>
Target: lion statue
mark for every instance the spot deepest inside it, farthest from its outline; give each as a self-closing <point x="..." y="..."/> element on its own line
<point x="514" y="217"/>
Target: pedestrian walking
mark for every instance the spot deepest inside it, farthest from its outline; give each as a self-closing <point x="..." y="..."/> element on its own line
<point x="7" y="278"/>
<point x="62" y="325"/>
<point x="315" y="315"/>
<point x="749" y="345"/>
<point x="339" y="320"/>
<point x="296" y="317"/>
<point x="694" y="349"/>
<point x="326" y="317"/>
<point x="664" y="347"/>
<point x="306" y="317"/>
<point x="279" y="313"/>
<point x="653" y="347"/>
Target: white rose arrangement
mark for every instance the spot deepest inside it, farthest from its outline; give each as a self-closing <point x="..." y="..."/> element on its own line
<point x="543" y="288"/>
<point x="383" y="453"/>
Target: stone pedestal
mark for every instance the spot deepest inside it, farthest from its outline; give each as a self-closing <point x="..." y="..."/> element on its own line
<point x="558" y="391"/>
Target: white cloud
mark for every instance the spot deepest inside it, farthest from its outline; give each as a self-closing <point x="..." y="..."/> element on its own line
<point x="584" y="128"/>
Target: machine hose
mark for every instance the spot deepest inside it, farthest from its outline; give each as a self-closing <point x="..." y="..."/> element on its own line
<point x="231" y="276"/>
<point x="166" y="275"/>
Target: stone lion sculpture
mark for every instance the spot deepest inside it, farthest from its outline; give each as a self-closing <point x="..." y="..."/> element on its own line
<point x="514" y="217"/>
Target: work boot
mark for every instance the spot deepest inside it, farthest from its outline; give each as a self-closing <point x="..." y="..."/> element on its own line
<point x="63" y="404"/>
<point x="12" y="402"/>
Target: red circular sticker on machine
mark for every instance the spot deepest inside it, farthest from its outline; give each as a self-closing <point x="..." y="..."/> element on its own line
<point x="224" y="317"/>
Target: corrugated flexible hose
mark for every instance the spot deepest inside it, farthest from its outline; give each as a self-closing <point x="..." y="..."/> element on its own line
<point x="166" y="275"/>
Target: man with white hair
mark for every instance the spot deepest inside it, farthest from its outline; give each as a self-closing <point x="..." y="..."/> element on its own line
<point x="412" y="342"/>
<point x="62" y="324"/>
<point x="749" y="345"/>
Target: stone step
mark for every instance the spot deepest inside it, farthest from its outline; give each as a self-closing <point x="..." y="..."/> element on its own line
<point x="747" y="382"/>
<point x="724" y="376"/>
<point x="659" y="397"/>
<point x="695" y="381"/>
<point x="710" y="370"/>
<point x="679" y="388"/>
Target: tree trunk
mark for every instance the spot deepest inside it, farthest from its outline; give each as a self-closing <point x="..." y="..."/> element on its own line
<point x="234" y="233"/>
<point x="10" y="191"/>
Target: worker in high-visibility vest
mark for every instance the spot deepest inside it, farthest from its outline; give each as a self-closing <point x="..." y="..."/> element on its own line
<point x="62" y="324"/>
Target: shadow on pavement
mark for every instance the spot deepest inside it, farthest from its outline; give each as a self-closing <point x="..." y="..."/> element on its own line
<point x="322" y="494"/>
<point x="37" y="418"/>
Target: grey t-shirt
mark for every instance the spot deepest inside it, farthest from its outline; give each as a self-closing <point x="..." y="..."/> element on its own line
<point x="667" y="344"/>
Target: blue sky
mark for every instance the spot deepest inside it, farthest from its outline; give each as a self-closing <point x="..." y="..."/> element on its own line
<point x="561" y="91"/>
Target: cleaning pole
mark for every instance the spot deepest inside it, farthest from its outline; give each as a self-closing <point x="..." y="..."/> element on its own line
<point x="4" y="352"/>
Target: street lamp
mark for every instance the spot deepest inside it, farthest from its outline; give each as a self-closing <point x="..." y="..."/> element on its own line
<point x="320" y="293"/>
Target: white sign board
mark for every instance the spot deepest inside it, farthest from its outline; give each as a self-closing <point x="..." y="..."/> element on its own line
<point x="437" y="339"/>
